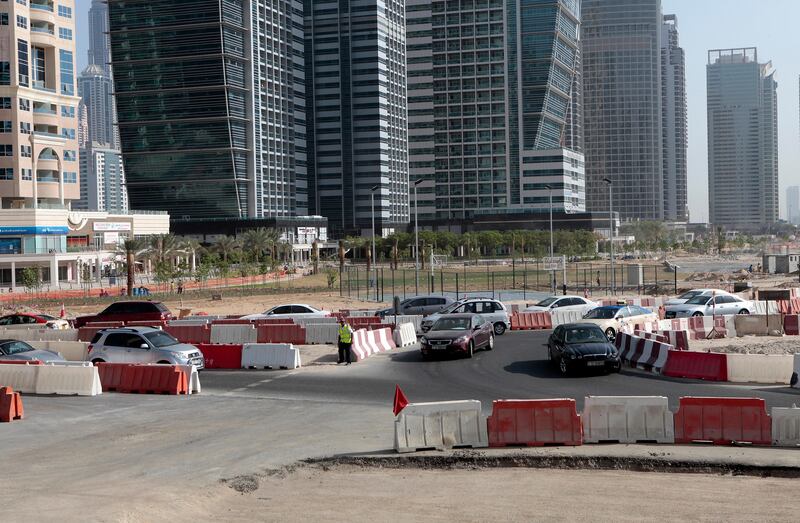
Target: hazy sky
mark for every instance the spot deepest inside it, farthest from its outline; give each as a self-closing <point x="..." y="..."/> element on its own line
<point x="769" y="25"/>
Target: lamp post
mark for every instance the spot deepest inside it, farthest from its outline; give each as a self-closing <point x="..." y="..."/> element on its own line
<point x="416" y="238"/>
<point x="611" y="231"/>
<point x="553" y="275"/>
<point x="372" y="203"/>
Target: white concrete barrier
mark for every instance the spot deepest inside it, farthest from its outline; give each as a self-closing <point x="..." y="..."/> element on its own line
<point x="69" y="350"/>
<point x="785" y="427"/>
<point x="39" y="334"/>
<point x="795" y="381"/>
<point x="760" y="368"/>
<point x="413" y="318"/>
<point x="758" y="325"/>
<point x="560" y="317"/>
<point x="322" y="333"/>
<point x="316" y="320"/>
<point x="272" y="355"/>
<point x="21" y="378"/>
<point x="765" y="307"/>
<point x="440" y="425"/>
<point x="362" y="313"/>
<point x="234" y="334"/>
<point x="70" y="363"/>
<point x="68" y="380"/>
<point x="405" y="335"/>
<point x="627" y="419"/>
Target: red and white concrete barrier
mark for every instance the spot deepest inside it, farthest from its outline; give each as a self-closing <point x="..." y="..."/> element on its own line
<point x="640" y="353"/>
<point x="369" y="342"/>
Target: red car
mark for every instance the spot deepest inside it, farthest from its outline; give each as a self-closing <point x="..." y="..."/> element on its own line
<point x="129" y="311"/>
<point x="460" y="334"/>
<point x="30" y="319"/>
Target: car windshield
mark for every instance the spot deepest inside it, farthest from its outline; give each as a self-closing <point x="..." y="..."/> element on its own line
<point x="689" y="295"/>
<point x="17" y="348"/>
<point x="451" y="324"/>
<point x="160" y="339"/>
<point x="600" y="314"/>
<point x="585" y="335"/>
<point x="698" y="300"/>
<point x="450" y="308"/>
<point x="546" y="302"/>
<point x="46" y="317"/>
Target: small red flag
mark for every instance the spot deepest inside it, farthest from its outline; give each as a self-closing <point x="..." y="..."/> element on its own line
<point x="400" y="400"/>
<point x="63" y="312"/>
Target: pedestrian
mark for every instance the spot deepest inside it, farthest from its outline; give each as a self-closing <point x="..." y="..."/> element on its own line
<point x="180" y="287"/>
<point x="345" y="340"/>
<point x="598" y="279"/>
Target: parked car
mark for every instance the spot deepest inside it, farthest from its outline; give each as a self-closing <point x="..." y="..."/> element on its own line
<point x="21" y="351"/>
<point x="491" y="310"/>
<point x="611" y="318"/>
<point x="574" y="346"/>
<point x="129" y="311"/>
<point x="291" y="310"/>
<point x="688" y="295"/>
<point x="458" y="334"/>
<point x="563" y="303"/>
<point x="706" y="305"/>
<point x="142" y="345"/>
<point x="25" y="319"/>
<point x="418" y="305"/>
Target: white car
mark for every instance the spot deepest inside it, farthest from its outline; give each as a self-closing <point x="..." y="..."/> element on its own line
<point x="720" y="305"/>
<point x="611" y="318"/>
<point x="563" y="303"/>
<point x="292" y="310"/>
<point x="688" y="295"/>
<point x="491" y="310"/>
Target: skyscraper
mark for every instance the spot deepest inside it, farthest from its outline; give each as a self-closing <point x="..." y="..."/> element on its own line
<point x="96" y="91"/>
<point x="211" y="106"/>
<point x="742" y="140"/>
<point x="38" y="144"/>
<point x="99" y="41"/>
<point x="622" y="87"/>
<point x="674" y="122"/>
<point x="103" y="184"/>
<point x="357" y="120"/>
<point x="495" y="107"/>
<point x="793" y="205"/>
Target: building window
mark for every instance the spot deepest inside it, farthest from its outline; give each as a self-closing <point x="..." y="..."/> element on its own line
<point x="6" y="126"/>
<point x="6" y="150"/>
<point x="67" y="72"/>
<point x="67" y="133"/>
<point x="70" y="177"/>
<point x="6" y="173"/>
<point x="69" y="156"/>
<point x="27" y="174"/>
<point x="39" y="78"/>
<point x="22" y="22"/>
<point x="22" y="2"/>
<point x="5" y="102"/>
<point x="3" y="18"/>
<point x="65" y="33"/>
<point x="25" y="151"/>
<point x="25" y="128"/>
<point x="67" y="112"/>
<point x="24" y="105"/>
<point x="22" y="53"/>
<point x="64" y="11"/>
<point x="5" y="73"/>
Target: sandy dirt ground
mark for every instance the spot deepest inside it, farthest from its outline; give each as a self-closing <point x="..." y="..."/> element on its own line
<point x="352" y="494"/>
<point x="750" y="345"/>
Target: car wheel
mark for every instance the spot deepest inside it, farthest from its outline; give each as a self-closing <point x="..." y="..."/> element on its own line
<point x="499" y="328"/>
<point x="562" y="366"/>
<point x="611" y="334"/>
<point x="164" y="362"/>
<point x="490" y="343"/>
<point x="471" y="349"/>
<point x="97" y="360"/>
<point x="744" y="311"/>
<point x="697" y="314"/>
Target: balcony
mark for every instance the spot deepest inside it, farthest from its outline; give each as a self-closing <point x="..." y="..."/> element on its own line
<point x="47" y="176"/>
<point x="45" y="108"/>
<point x="42" y="6"/>
<point x="41" y="86"/>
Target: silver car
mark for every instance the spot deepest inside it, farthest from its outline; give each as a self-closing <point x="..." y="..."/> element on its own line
<point x="418" y="305"/>
<point x="704" y="305"/>
<point x="492" y="311"/>
<point x="142" y="345"/>
<point x="21" y="351"/>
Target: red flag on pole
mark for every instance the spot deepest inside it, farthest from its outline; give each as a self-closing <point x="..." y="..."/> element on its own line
<point x="63" y="313"/>
<point x="400" y="400"/>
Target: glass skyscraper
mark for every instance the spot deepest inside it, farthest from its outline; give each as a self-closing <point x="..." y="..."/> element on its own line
<point x="674" y="122"/>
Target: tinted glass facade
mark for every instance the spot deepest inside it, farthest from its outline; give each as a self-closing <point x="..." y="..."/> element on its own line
<point x="674" y="119"/>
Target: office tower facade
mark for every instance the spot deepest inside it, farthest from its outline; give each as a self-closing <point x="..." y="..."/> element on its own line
<point x="357" y="113"/>
<point x="622" y="107"/>
<point x="38" y="143"/>
<point x="742" y="140"/>
<point x="210" y="106"/>
<point x="495" y="107"/>
<point x="793" y="205"/>
<point x="674" y="122"/>
<point x="102" y="181"/>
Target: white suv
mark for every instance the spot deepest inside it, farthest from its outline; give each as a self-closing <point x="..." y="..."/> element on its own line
<point x="492" y="310"/>
<point x="142" y="345"/>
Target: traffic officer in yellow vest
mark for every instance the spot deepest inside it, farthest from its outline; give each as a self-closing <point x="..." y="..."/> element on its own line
<point x="345" y="341"/>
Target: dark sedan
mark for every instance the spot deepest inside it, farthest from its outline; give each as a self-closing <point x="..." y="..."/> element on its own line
<point x="584" y="346"/>
<point x="460" y="334"/>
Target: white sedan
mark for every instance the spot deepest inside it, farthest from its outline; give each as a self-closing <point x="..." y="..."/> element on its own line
<point x="563" y="303"/>
<point x="720" y="305"/>
<point x="292" y="310"/>
<point x="611" y="318"/>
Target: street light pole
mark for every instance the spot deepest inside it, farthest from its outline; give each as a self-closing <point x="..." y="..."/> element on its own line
<point x="611" y="231"/>
<point x="374" y="258"/>
<point x="553" y="275"/>
<point x="416" y="238"/>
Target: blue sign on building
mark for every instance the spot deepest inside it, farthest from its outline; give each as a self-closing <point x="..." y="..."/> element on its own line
<point x="44" y="230"/>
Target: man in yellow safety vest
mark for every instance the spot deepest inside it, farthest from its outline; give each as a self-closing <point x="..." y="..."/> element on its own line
<point x="345" y="341"/>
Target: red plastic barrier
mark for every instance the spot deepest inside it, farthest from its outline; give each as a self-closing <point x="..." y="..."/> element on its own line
<point x="295" y="334"/>
<point x="531" y="321"/>
<point x="274" y="321"/>
<point x="193" y="334"/>
<point x="221" y="356"/>
<point x="784" y="307"/>
<point x="534" y="423"/>
<point x="142" y="379"/>
<point x="360" y="321"/>
<point x="151" y="323"/>
<point x="10" y="405"/>
<point x="105" y="324"/>
<point x="232" y="321"/>
<point x="791" y="325"/>
<point x="20" y="362"/>
<point x="111" y="375"/>
<point x="723" y="421"/>
<point x="710" y="366"/>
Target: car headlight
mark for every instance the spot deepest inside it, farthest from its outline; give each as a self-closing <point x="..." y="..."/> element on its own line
<point x="423" y="340"/>
<point x="462" y="339"/>
<point x="572" y="356"/>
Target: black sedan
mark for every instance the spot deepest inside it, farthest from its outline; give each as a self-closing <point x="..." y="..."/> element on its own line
<point x="574" y="346"/>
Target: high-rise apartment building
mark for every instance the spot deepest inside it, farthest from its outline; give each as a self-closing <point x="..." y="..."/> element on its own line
<point x="96" y="90"/>
<point x="742" y="140"/>
<point x="674" y="122"/>
<point x="793" y="205"/>
<point x="211" y="107"/>
<point x="103" y="184"/>
<point x="38" y="138"/>
<point x="355" y="55"/>
<point x="495" y="107"/>
<point x="99" y="41"/>
<point x="622" y="106"/>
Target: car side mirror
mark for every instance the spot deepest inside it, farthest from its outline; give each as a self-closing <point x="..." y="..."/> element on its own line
<point x="144" y="346"/>
<point x="477" y="327"/>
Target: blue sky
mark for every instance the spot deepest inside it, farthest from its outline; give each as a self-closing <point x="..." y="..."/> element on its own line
<point x="769" y="25"/>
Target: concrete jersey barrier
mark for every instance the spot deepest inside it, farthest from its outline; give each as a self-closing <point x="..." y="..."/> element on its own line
<point x="560" y="317"/>
<point x="69" y="350"/>
<point x="758" y="325"/>
<point x="233" y="334"/>
<point x="405" y="335"/>
<point x="21" y="378"/>
<point x="272" y="355"/>
<point x="39" y="334"/>
<point x="322" y="333"/>
<point x="785" y="427"/>
<point x="627" y="419"/>
<point x="73" y="379"/>
<point x="760" y="368"/>
<point x="366" y="343"/>
<point x="440" y="425"/>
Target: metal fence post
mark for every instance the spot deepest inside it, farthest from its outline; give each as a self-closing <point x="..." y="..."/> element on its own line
<point x="456" y="286"/>
<point x="524" y="283"/>
<point x="492" y="285"/>
<point x="404" y="284"/>
<point x="441" y="281"/>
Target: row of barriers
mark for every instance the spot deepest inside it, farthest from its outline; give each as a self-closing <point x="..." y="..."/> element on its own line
<point x="605" y="419"/>
<point x="251" y="356"/>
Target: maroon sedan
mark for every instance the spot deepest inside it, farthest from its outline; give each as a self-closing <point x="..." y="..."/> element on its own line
<point x="460" y="334"/>
<point x="126" y="311"/>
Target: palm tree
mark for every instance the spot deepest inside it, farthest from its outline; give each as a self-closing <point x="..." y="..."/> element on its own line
<point x="193" y="247"/>
<point x="225" y="246"/>
<point x="132" y="247"/>
<point x="256" y="242"/>
<point x="163" y="248"/>
<point x="315" y="254"/>
<point x="341" y="257"/>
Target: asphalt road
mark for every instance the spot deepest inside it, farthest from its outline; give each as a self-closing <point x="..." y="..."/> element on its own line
<point x="517" y="368"/>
